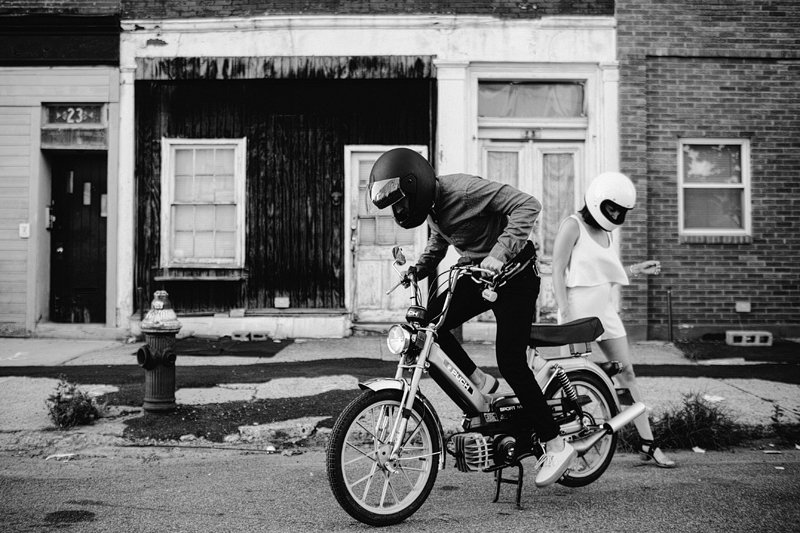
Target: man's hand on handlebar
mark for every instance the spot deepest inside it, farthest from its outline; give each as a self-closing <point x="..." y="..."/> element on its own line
<point x="493" y="264"/>
<point x="416" y="273"/>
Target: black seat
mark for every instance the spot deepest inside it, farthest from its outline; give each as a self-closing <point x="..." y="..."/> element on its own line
<point x="581" y="330"/>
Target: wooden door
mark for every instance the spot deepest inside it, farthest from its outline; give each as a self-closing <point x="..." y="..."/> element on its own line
<point x="369" y="244"/>
<point x="78" y="238"/>
<point x="552" y="172"/>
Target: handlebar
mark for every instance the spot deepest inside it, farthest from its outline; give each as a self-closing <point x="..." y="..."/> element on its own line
<point x="475" y="272"/>
<point x="402" y="281"/>
<point x="490" y="279"/>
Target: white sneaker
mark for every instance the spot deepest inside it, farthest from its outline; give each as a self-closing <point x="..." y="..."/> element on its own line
<point x="554" y="465"/>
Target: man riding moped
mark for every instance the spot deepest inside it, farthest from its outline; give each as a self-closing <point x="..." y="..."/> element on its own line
<point x="488" y="223"/>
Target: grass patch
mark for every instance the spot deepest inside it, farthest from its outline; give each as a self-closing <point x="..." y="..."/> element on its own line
<point x="713" y="346"/>
<point x="128" y="394"/>
<point x="710" y="426"/>
<point x="786" y="432"/>
<point x="215" y="421"/>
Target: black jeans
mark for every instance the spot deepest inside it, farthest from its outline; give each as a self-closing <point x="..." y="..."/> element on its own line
<point x="513" y="311"/>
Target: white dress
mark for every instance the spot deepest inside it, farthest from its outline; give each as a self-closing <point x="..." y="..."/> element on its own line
<point x="592" y="272"/>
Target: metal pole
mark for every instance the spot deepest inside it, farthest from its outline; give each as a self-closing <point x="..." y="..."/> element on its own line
<point x="669" y="312"/>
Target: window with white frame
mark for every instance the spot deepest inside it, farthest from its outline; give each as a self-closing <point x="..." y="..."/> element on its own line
<point x="541" y="99"/>
<point x="202" y="202"/>
<point x="714" y="181"/>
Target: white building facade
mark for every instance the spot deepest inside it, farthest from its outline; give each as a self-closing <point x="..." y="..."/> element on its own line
<point x="555" y="126"/>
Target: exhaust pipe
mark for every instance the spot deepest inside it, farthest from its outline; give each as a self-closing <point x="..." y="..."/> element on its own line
<point x="611" y="426"/>
<point x="625" y="417"/>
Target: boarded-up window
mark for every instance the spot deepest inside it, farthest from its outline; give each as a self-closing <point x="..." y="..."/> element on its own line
<point x="202" y="202"/>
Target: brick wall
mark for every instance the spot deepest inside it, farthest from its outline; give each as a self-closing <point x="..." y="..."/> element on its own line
<point x="712" y="69"/>
<point x="153" y="9"/>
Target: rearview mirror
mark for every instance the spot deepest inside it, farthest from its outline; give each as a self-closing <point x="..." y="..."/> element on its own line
<point x="399" y="258"/>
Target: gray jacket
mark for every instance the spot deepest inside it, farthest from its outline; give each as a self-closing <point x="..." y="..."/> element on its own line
<point x="478" y="217"/>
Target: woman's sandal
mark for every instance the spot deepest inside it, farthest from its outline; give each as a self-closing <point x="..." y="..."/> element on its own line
<point x="647" y="452"/>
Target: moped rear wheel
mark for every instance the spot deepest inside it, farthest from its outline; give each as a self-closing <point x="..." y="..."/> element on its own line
<point x="600" y="407"/>
<point x="367" y="483"/>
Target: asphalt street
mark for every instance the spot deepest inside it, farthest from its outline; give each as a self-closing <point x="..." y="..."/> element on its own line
<point x="144" y="489"/>
<point x="93" y="479"/>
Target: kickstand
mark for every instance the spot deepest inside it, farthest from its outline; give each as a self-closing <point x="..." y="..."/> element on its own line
<point x="498" y="476"/>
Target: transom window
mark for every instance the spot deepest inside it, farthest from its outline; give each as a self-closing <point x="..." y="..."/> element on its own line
<point x="523" y="99"/>
<point x="202" y="202"/>
<point x="714" y="178"/>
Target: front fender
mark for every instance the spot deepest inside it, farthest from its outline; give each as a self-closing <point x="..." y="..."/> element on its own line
<point x="379" y="384"/>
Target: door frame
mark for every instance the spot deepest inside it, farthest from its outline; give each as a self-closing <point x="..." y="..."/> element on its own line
<point x="530" y="157"/>
<point x="350" y="218"/>
<point x="55" y="160"/>
<point x="38" y="312"/>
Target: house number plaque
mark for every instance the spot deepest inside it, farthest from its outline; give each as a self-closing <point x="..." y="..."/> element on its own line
<point x="79" y="126"/>
<point x="74" y="114"/>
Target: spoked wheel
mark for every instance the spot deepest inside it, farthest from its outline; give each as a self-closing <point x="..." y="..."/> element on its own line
<point x="601" y="407"/>
<point x="371" y="486"/>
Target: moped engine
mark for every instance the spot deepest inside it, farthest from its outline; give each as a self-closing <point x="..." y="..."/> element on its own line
<point x="472" y="451"/>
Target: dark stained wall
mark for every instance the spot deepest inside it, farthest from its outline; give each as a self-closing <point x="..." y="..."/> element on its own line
<point x="296" y="131"/>
<point x="35" y="40"/>
<point x="133" y="9"/>
<point x="60" y="7"/>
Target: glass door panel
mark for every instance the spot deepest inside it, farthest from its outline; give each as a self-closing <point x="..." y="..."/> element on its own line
<point x="551" y="172"/>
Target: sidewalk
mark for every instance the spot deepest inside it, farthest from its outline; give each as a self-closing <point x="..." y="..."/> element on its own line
<point x="752" y="401"/>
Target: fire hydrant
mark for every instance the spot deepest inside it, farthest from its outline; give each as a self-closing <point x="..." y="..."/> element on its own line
<point x="157" y="357"/>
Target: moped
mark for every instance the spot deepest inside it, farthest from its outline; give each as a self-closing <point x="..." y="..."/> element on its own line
<point x="388" y="444"/>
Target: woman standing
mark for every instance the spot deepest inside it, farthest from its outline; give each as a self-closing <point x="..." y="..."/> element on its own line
<point x="585" y="270"/>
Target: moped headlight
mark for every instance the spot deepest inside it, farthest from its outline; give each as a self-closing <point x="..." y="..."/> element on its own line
<point x="398" y="340"/>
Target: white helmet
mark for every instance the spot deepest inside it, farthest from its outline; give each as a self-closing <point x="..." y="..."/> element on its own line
<point x="609" y="197"/>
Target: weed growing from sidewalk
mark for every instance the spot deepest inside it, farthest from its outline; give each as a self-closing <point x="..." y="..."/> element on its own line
<point x="696" y="422"/>
<point x="68" y="406"/>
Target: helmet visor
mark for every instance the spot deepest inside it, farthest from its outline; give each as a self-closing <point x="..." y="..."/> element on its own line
<point x="613" y="211"/>
<point x="385" y="193"/>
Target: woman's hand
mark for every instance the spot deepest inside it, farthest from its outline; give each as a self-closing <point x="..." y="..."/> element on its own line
<point x="562" y="313"/>
<point x="650" y="268"/>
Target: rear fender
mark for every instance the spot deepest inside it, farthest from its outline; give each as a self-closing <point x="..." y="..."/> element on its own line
<point x="379" y="384"/>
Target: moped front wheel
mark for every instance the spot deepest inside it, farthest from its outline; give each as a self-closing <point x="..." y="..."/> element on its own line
<point x="368" y="483"/>
<point x="598" y="407"/>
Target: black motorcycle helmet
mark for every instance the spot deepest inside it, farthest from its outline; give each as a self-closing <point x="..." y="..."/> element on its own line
<point x="403" y="179"/>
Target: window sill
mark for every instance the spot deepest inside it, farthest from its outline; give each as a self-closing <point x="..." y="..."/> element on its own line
<point x="199" y="274"/>
<point x="716" y="239"/>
